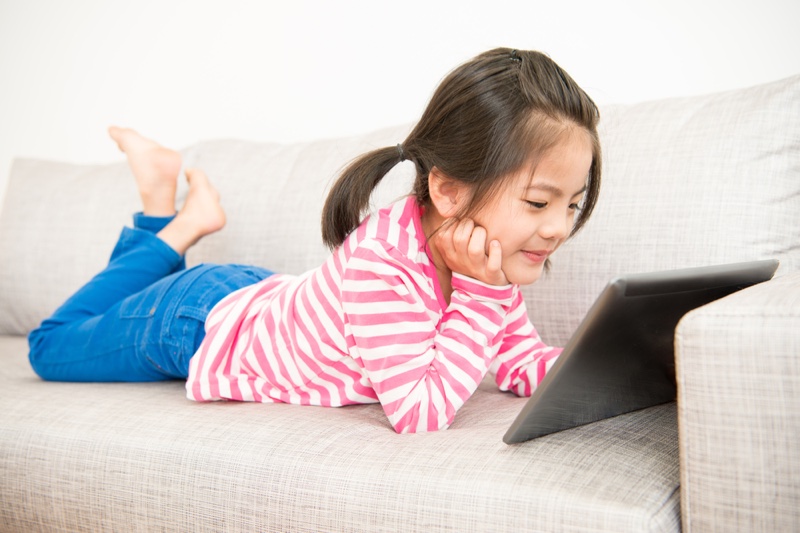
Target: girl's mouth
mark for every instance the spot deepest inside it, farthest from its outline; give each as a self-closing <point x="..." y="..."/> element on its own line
<point x="537" y="256"/>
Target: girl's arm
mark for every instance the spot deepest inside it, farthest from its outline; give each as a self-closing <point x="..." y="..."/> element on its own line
<point x="422" y="365"/>
<point x="523" y="359"/>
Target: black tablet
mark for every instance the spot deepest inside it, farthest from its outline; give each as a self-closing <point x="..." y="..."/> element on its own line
<point x="621" y="358"/>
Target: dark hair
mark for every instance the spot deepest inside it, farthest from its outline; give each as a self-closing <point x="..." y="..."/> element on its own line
<point x="487" y="119"/>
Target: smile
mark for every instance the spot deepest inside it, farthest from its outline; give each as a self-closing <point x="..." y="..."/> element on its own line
<point x="537" y="256"/>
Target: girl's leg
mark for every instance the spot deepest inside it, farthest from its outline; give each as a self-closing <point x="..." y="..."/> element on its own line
<point x="81" y="341"/>
<point x="91" y="336"/>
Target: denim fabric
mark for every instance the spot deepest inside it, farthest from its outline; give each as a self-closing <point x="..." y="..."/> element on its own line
<point x="140" y="319"/>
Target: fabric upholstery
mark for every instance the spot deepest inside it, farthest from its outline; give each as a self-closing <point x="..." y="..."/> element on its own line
<point x="273" y="195"/>
<point x="140" y="457"/>
<point x="737" y="153"/>
<point x="739" y="374"/>
<point x="687" y="182"/>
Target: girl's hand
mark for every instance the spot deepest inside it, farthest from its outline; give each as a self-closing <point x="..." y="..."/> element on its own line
<point x="462" y="247"/>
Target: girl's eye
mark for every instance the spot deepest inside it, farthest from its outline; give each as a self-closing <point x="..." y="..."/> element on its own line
<point x="574" y="207"/>
<point x="536" y="205"/>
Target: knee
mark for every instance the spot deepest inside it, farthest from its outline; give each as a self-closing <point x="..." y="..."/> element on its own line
<point x="37" y="352"/>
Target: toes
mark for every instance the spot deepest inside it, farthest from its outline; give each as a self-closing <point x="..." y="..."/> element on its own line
<point x="130" y="140"/>
<point x="115" y="133"/>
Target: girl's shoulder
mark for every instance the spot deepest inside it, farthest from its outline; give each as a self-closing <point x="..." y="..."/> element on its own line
<point x="389" y="242"/>
<point x="388" y="249"/>
<point x="396" y="226"/>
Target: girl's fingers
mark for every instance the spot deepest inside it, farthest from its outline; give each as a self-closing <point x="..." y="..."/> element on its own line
<point x="476" y="248"/>
<point x="462" y="234"/>
<point x="444" y="239"/>
<point x="463" y="248"/>
<point x="494" y="263"/>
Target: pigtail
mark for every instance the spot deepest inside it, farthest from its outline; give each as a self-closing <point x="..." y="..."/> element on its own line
<point x="348" y="199"/>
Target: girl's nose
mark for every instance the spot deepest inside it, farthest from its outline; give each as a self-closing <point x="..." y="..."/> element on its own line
<point x="556" y="227"/>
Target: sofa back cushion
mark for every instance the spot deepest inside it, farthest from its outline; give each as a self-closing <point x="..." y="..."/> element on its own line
<point x="60" y="220"/>
<point x="686" y="182"/>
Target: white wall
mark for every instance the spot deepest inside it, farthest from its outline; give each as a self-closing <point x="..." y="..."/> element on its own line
<point x="186" y="70"/>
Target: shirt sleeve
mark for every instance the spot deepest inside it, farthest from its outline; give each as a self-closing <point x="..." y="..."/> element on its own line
<point x="423" y="365"/>
<point x="524" y="359"/>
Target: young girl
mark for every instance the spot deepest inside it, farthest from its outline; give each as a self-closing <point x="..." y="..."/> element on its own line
<point x="415" y="304"/>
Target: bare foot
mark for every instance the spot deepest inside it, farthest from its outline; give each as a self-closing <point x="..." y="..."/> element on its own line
<point x="201" y="215"/>
<point x="155" y="168"/>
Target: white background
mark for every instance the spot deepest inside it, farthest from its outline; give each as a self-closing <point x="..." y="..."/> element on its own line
<point x="188" y="70"/>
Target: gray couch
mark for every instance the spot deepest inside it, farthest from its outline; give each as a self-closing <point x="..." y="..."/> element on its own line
<point x="688" y="182"/>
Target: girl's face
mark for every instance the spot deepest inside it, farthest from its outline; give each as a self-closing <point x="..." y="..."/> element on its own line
<point x="534" y="214"/>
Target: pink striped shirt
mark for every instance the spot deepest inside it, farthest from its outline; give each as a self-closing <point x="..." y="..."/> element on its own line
<point x="370" y="325"/>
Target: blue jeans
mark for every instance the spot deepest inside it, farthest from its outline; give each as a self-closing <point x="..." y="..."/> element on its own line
<point x="140" y="319"/>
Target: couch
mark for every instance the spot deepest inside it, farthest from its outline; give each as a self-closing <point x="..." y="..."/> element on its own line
<point x="688" y="181"/>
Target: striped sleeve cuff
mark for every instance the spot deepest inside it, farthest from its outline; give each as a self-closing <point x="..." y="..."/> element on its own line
<point x="499" y="294"/>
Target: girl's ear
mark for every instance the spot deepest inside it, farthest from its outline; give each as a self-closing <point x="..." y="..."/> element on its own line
<point x="448" y="196"/>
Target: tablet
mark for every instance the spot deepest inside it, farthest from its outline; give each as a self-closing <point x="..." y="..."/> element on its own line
<point x="621" y="358"/>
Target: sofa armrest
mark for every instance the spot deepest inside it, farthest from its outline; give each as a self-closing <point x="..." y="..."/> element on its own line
<point x="738" y="372"/>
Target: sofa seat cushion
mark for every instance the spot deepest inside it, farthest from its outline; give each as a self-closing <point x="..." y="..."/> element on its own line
<point x="124" y="457"/>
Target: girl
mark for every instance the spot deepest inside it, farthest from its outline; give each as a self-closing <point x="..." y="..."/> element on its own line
<point x="415" y="304"/>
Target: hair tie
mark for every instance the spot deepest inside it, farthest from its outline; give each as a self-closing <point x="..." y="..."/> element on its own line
<point x="515" y="56"/>
<point x="400" y="152"/>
